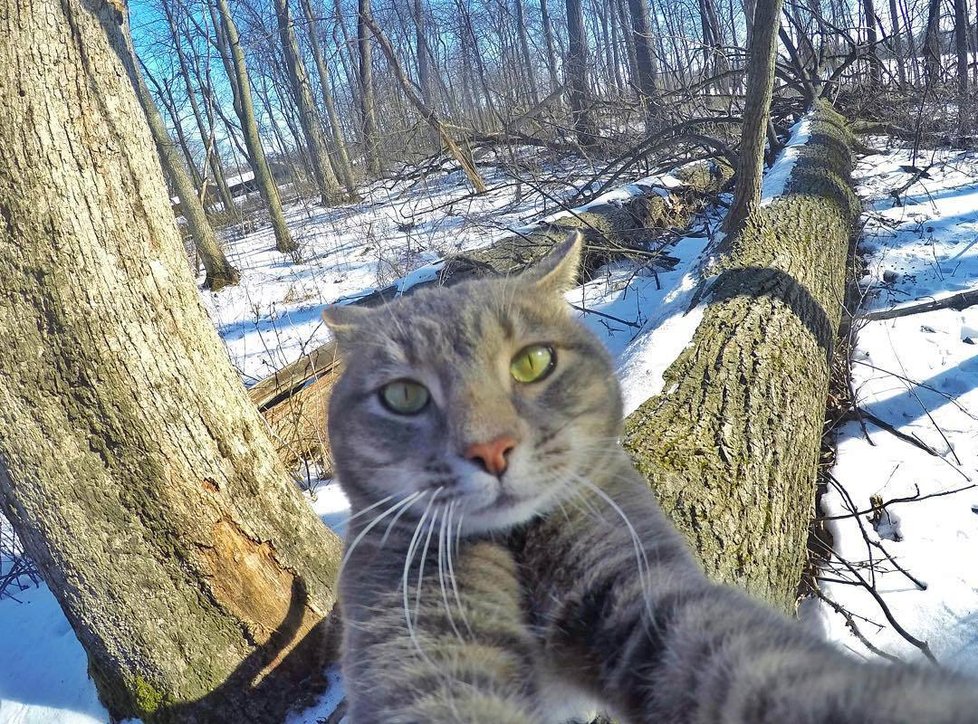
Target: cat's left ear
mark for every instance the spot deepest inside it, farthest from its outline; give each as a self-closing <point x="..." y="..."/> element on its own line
<point x="343" y="320"/>
<point x="557" y="271"/>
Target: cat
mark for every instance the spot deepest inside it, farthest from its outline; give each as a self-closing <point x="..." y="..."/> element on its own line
<point x="506" y="563"/>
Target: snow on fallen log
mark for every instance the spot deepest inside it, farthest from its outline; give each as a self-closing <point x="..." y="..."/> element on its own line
<point x="730" y="447"/>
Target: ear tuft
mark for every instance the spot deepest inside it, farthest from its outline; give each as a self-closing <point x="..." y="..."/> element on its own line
<point x="558" y="271"/>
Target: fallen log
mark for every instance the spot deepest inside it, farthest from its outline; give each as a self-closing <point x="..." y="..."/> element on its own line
<point x="294" y="399"/>
<point x="730" y="447"/>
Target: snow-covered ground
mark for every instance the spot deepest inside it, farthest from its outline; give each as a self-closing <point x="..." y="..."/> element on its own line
<point x="274" y="316"/>
<point x="918" y="374"/>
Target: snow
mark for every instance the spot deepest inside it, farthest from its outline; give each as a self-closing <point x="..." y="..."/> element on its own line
<point x="43" y="670"/>
<point x="401" y="231"/>
<point x="775" y="179"/>
<point x="918" y="373"/>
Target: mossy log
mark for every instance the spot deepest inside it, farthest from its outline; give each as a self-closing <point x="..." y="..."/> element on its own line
<point x="295" y="398"/>
<point x="730" y="447"/>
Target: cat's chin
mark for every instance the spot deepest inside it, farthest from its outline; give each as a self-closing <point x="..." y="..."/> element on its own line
<point x="504" y="513"/>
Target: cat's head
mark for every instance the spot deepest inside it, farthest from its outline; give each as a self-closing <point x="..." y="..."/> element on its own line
<point x="485" y="400"/>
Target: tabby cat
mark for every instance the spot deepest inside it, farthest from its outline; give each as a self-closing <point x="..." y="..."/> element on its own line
<point x="505" y="563"/>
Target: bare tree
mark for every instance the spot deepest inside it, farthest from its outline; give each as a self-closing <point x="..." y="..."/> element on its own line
<point x="342" y="158"/>
<point x="762" y="56"/>
<point x="368" y="108"/>
<point x="245" y="109"/>
<point x="575" y="71"/>
<point x="218" y="270"/>
<point x="644" y="78"/>
<point x="429" y="115"/>
<point x="961" y="51"/>
<point x="312" y="129"/>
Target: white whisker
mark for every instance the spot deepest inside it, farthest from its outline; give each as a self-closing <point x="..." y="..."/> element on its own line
<point x="405" y="502"/>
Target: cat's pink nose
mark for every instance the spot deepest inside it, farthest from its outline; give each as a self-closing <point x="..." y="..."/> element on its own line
<point x="492" y="454"/>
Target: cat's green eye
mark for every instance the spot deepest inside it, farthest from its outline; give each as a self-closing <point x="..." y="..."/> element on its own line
<point x="533" y="363"/>
<point x="404" y="397"/>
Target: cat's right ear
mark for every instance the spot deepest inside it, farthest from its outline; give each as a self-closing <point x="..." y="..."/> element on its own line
<point x="344" y="320"/>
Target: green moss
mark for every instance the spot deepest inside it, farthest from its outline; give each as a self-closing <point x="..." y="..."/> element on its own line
<point x="147" y="698"/>
<point x="731" y="446"/>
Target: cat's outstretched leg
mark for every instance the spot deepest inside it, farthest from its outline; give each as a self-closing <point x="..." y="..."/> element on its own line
<point x="623" y="611"/>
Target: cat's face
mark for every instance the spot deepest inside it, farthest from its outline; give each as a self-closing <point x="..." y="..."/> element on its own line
<point x="482" y="402"/>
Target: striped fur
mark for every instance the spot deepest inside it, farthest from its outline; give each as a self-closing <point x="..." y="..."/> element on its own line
<point x="472" y="598"/>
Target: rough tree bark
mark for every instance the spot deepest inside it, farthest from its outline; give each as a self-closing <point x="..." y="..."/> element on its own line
<point x="762" y="55"/>
<point x="731" y="446"/>
<point x="312" y="130"/>
<point x="133" y="466"/>
<point x="217" y="269"/>
<point x="244" y="107"/>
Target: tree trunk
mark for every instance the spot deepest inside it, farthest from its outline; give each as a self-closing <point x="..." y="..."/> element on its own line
<point x="757" y="109"/>
<point x="312" y="129"/>
<point x="548" y="39"/>
<point x="367" y="105"/>
<point x="961" y="50"/>
<point x="644" y="60"/>
<point x="730" y="448"/>
<point x="132" y="465"/>
<point x="875" y="66"/>
<point x="245" y="109"/>
<point x="932" y="45"/>
<point x="524" y="44"/>
<point x="218" y="270"/>
<point x="575" y="72"/>
<point x="342" y="158"/>
<point x="898" y="44"/>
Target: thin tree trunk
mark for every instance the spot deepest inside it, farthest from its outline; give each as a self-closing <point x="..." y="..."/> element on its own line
<point x="139" y="477"/>
<point x="875" y="67"/>
<point x="218" y="270"/>
<point x="170" y="103"/>
<point x="548" y="39"/>
<point x="525" y="52"/>
<point x="899" y="56"/>
<point x="210" y="143"/>
<point x="341" y="157"/>
<point x="961" y="49"/>
<point x="429" y="115"/>
<point x="245" y="109"/>
<point x="757" y="109"/>
<point x="312" y="129"/>
<point x="932" y="45"/>
<point x="367" y="105"/>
